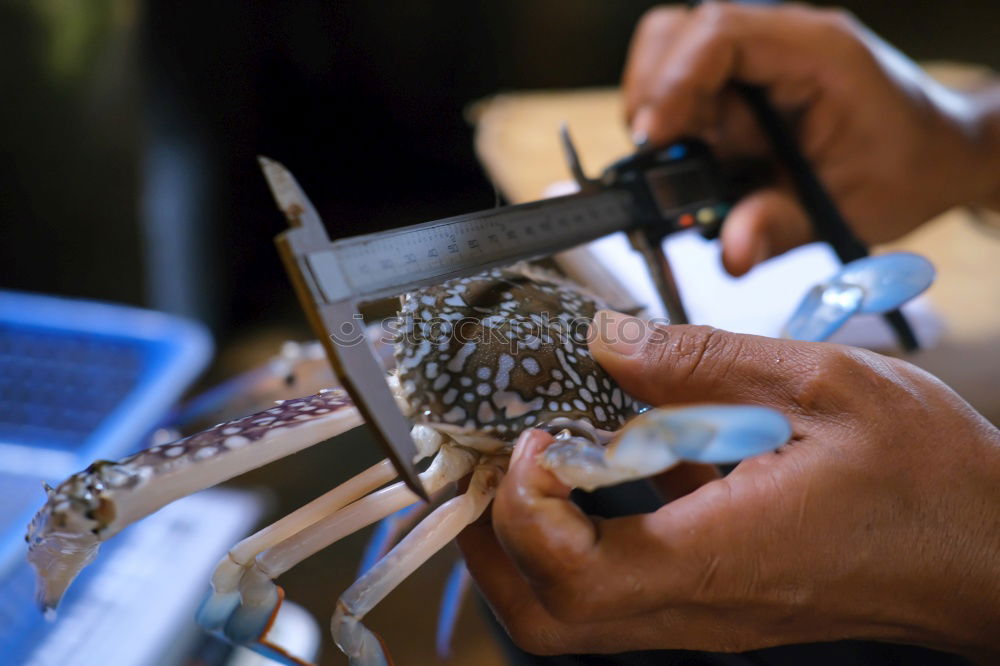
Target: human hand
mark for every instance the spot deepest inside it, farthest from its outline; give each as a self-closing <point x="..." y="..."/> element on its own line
<point x="878" y="520"/>
<point x="893" y="147"/>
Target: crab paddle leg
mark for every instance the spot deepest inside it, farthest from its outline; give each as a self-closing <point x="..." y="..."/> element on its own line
<point x="94" y="505"/>
<point x="360" y="645"/>
<point x="658" y="439"/>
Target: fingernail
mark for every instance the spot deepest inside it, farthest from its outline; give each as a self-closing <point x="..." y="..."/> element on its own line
<point x="619" y="333"/>
<point x="523" y="442"/>
<point x="641" y="124"/>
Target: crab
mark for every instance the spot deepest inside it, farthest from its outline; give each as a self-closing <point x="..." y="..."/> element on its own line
<point x="478" y="361"/>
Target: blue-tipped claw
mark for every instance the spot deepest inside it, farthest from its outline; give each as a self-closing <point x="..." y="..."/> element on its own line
<point x="707" y="433"/>
<point x="225" y="616"/>
<point x="216" y="610"/>
<point x="250" y="623"/>
<point x="872" y="285"/>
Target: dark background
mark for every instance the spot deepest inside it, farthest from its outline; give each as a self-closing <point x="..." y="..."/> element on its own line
<point x="128" y="130"/>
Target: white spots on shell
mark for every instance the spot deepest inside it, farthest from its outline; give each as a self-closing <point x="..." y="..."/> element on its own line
<point x="485" y="413"/>
<point x="456" y="364"/>
<point x="607" y="383"/>
<point x="553" y="389"/>
<point x="205" y="452"/>
<point x="565" y="366"/>
<point x="173" y="451"/>
<point x="514" y="406"/>
<point x="268" y="420"/>
<point x="235" y="442"/>
<point x="616" y="397"/>
<point x="504" y="365"/>
<point x="454" y="415"/>
<point x="473" y="380"/>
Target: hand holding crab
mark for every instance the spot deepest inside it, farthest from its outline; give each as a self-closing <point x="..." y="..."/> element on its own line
<point x="883" y="505"/>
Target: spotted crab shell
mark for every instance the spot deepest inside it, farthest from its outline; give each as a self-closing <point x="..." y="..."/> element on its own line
<point x="492" y="355"/>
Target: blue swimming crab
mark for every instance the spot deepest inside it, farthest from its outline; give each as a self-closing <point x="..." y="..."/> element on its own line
<point x="478" y="361"/>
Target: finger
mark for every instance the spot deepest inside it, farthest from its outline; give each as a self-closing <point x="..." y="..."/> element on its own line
<point x="556" y="548"/>
<point x="684" y="364"/>
<point x="762" y="225"/>
<point x="507" y="593"/>
<point x="684" y="479"/>
<point x="723" y="42"/>
<point x="535" y="629"/>
<point x="546" y="535"/>
<point x="655" y="34"/>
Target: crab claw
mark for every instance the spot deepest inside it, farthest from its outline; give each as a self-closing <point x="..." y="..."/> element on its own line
<point x="660" y="438"/>
<point x="872" y="285"/>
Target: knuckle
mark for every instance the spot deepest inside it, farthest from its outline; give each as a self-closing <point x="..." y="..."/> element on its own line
<point x="698" y="350"/>
<point x="840" y="20"/>
<point x="715" y="17"/>
<point x="840" y="31"/>
<point x="658" y="21"/>
<point x="837" y="378"/>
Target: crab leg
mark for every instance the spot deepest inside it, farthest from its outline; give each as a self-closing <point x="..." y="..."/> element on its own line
<point x="260" y="597"/>
<point x="94" y="505"/>
<point x="356" y="641"/>
<point x="226" y="577"/>
<point x="658" y="439"/>
<point x="228" y="572"/>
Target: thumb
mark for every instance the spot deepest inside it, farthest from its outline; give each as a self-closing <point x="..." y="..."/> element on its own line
<point x="660" y="364"/>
